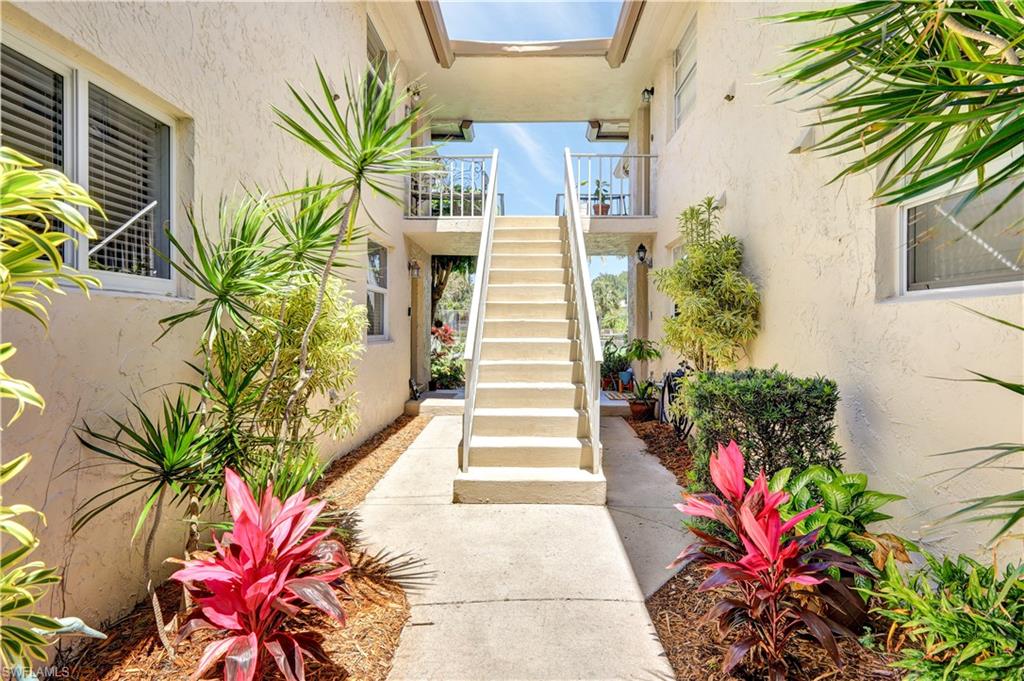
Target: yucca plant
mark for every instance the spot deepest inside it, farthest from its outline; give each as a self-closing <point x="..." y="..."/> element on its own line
<point x="369" y="141"/>
<point x="924" y="92"/>
<point x="168" y="459"/>
<point x="961" y="619"/>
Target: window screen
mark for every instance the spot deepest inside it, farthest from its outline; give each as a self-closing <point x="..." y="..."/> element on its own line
<point x="946" y="248"/>
<point x="685" y="71"/>
<point x="129" y="169"/>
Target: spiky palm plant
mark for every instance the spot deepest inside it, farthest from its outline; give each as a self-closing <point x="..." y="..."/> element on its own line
<point x="925" y="92"/>
<point x="369" y="141"/>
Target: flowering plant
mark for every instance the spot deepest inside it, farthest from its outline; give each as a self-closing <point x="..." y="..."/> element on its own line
<point x="778" y="583"/>
<point x="260" y="574"/>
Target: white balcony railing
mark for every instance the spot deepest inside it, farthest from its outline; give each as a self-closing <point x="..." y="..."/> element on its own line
<point x="613" y="185"/>
<point x="457" y="189"/>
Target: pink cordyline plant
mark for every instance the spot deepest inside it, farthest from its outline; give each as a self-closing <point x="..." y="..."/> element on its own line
<point x="261" y="574"/>
<point x="776" y="585"/>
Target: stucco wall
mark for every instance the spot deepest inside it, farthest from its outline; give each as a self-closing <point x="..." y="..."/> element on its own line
<point x="217" y="68"/>
<point x="823" y="259"/>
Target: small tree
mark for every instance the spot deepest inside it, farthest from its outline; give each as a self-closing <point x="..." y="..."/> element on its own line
<point x="442" y="267"/>
<point x="716" y="306"/>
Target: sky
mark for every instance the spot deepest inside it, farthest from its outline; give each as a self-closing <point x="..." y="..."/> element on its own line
<point x="530" y="159"/>
<point x="516" y="21"/>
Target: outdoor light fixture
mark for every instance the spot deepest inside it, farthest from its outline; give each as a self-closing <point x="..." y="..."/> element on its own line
<point x="414" y="269"/>
<point x="647" y="94"/>
<point x="641" y="255"/>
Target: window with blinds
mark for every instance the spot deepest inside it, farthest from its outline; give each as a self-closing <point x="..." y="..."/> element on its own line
<point x="948" y="248"/>
<point x="31" y="108"/>
<point x="376" y="289"/>
<point x="125" y="161"/>
<point x="129" y="175"/>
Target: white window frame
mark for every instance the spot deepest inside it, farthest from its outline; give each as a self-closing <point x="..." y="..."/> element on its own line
<point x="76" y="157"/>
<point x="994" y="288"/>
<point x="384" y="291"/>
<point x="690" y="79"/>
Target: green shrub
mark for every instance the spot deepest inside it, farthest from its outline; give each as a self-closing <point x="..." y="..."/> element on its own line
<point x="777" y="419"/>
<point x="447" y="368"/>
<point x="962" y="620"/>
<point x="847" y="509"/>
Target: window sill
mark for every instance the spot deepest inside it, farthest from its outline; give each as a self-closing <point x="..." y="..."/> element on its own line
<point x="110" y="290"/>
<point x="1007" y="288"/>
<point x="379" y="340"/>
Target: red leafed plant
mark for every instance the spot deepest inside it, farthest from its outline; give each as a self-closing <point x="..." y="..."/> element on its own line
<point x="444" y="334"/>
<point x="775" y="584"/>
<point x="260" y="575"/>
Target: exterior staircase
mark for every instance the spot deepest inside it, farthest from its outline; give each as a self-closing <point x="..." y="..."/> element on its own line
<point x="530" y="438"/>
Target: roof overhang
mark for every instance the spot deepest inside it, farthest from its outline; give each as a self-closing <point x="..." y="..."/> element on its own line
<point x="614" y="49"/>
<point x="530" y="82"/>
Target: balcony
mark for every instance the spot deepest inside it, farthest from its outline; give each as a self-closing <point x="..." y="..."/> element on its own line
<point x="613" y="185"/>
<point x="456" y="190"/>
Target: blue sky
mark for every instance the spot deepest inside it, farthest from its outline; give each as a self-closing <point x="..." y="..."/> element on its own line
<point x="531" y="165"/>
<point x="513" y="21"/>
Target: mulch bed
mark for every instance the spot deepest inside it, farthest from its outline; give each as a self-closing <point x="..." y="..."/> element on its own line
<point x="693" y="648"/>
<point x="362" y="650"/>
<point x="695" y="651"/>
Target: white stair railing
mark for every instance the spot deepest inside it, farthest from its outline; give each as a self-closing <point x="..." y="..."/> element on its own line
<point x="586" y="315"/>
<point x="477" y="312"/>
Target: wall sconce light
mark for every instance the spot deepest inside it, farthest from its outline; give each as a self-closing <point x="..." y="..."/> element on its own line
<point x="730" y="94"/>
<point x="414" y="269"/>
<point x="647" y="94"/>
<point x="641" y="255"/>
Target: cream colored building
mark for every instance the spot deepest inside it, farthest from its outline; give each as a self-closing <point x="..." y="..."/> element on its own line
<point x="838" y="297"/>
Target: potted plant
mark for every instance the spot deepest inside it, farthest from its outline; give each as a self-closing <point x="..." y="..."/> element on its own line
<point x="642" y="350"/>
<point x="614" y="364"/>
<point x="599" y="198"/>
<point x="641" y="404"/>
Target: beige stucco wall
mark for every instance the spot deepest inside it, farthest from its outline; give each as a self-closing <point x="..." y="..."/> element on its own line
<point x="217" y="68"/>
<point x="823" y="258"/>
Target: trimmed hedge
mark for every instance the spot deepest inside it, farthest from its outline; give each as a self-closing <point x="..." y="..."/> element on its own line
<point x="777" y="419"/>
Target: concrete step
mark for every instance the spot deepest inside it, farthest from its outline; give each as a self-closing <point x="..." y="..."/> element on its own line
<point x="527" y="328"/>
<point x="529" y="309"/>
<point x="520" y="233"/>
<point x="533" y="485"/>
<point x="554" y="394"/>
<point x="528" y="349"/>
<point x="519" y="292"/>
<point x="537" y="246"/>
<point x="504" y="422"/>
<point x="527" y="261"/>
<point x="536" y="275"/>
<point x="527" y="450"/>
<point x="529" y="371"/>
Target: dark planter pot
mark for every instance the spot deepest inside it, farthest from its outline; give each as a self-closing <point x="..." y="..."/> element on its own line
<point x="642" y="411"/>
<point x="432" y="385"/>
<point x="607" y="383"/>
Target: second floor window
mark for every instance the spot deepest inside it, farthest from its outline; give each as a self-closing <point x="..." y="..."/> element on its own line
<point x="685" y="74"/>
<point x="123" y="160"/>
<point x="376" y="53"/>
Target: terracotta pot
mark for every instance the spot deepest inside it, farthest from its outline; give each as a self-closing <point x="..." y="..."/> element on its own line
<point x="600" y="208"/>
<point x="641" y="411"/>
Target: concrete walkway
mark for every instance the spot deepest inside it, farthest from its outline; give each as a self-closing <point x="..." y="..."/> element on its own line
<point x="529" y="591"/>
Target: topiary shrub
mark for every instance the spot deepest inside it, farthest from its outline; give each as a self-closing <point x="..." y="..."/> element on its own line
<point x="777" y="419"/>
